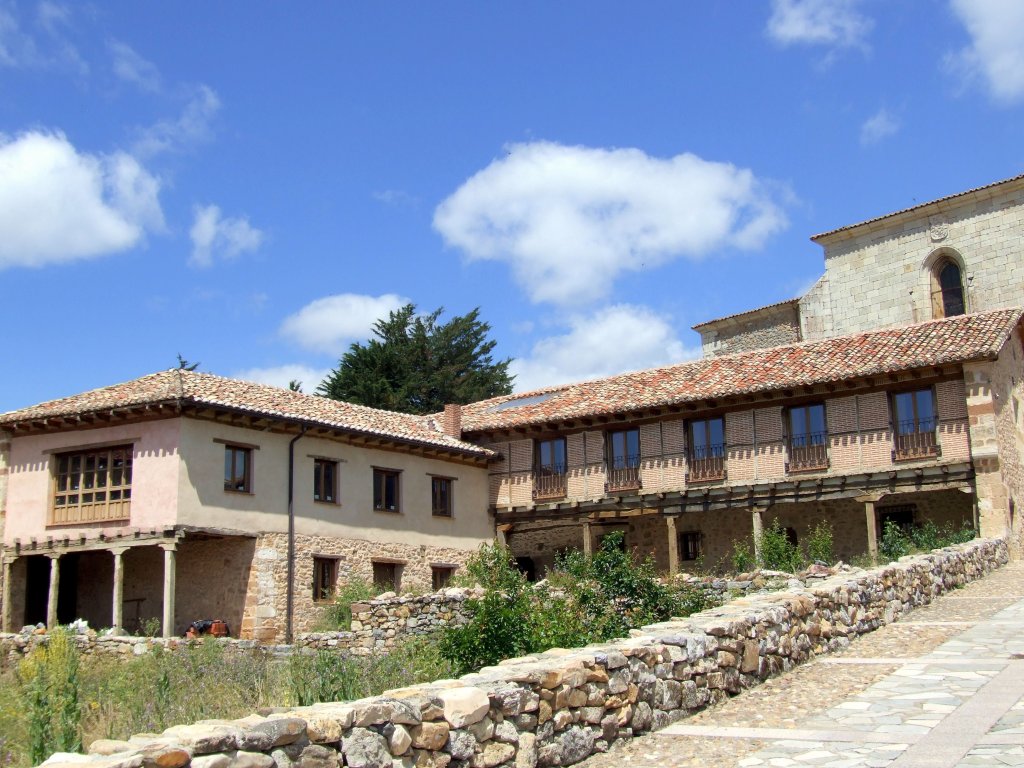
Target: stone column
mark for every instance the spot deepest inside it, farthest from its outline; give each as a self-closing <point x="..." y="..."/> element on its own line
<point x="169" y="579"/>
<point x="8" y="613"/>
<point x="588" y="542"/>
<point x="51" y="600"/>
<point x="673" y="545"/>
<point x="871" y="520"/>
<point x="501" y="533"/>
<point x="117" y="609"/>
<point x="757" y="521"/>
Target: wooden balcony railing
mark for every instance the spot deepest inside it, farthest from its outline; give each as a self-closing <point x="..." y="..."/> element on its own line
<point x="915" y="440"/>
<point x="808" y="452"/>
<point x="623" y="474"/>
<point x="549" y="482"/>
<point x="706" y="463"/>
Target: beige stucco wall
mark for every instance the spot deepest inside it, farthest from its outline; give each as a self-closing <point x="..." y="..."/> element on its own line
<point x="204" y="502"/>
<point x="154" y="477"/>
<point x="877" y="276"/>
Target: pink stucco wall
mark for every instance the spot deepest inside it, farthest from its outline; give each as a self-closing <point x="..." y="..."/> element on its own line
<point x="154" y="483"/>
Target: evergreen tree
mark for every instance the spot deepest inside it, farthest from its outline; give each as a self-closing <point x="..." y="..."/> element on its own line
<point x="416" y="364"/>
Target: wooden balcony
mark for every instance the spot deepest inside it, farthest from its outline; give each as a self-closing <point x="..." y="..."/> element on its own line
<point x="549" y="483"/>
<point x="915" y="440"/>
<point x="808" y="453"/>
<point x="623" y="474"/>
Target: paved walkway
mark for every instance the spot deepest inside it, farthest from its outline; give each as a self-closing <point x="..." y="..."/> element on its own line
<point x="942" y="687"/>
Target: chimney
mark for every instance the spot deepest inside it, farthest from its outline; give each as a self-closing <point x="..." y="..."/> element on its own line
<point x="451" y="422"/>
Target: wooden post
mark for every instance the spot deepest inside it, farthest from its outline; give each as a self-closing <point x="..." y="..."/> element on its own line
<point x="169" y="583"/>
<point x="588" y="544"/>
<point x="871" y="519"/>
<point x="8" y="613"/>
<point x="673" y="546"/>
<point x="51" y="600"/>
<point x="117" y="608"/>
<point x="757" y="521"/>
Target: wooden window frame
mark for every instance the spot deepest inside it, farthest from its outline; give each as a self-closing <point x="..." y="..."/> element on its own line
<point x="684" y="549"/>
<point x="917" y="444"/>
<point x="441" y="576"/>
<point x="319" y="467"/>
<point x="233" y="450"/>
<point x="380" y="502"/>
<point x="549" y="479"/>
<point x="622" y="475"/>
<point x="803" y="452"/>
<point x="447" y="508"/>
<point x="710" y="467"/>
<point x="396" y="571"/>
<point x="324" y="589"/>
<point x="79" y="478"/>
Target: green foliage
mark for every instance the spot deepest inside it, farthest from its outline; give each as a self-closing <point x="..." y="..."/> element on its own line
<point x="50" y="679"/>
<point x="338" y="615"/>
<point x="777" y="552"/>
<point x="418" y="365"/>
<point x="742" y="556"/>
<point x="897" y="542"/>
<point x="894" y="543"/>
<point x="819" y="544"/>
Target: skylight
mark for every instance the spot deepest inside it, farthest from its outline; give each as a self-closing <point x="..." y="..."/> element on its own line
<point x="519" y="402"/>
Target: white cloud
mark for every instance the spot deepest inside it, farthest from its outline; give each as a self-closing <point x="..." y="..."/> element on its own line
<point x="996" y="52"/>
<point x="880" y="125"/>
<point x="570" y="219"/>
<point x="17" y="48"/>
<point x="831" y="23"/>
<point x="281" y="375"/>
<point x="192" y="127"/>
<point x="614" y="339"/>
<point x="58" y="204"/>
<point x="213" y="236"/>
<point x="132" y="68"/>
<point x="330" y="324"/>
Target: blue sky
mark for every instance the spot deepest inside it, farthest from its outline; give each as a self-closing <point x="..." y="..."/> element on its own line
<point x="251" y="185"/>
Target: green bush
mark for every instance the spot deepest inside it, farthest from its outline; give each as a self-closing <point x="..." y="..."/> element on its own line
<point x="742" y="557"/>
<point x="819" y="544"/>
<point x="51" y="687"/>
<point x="777" y="552"/>
<point x="338" y="615"/>
<point x="895" y="543"/>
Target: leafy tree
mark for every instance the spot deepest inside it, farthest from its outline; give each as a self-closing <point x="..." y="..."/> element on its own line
<point x="416" y="364"/>
<point x="295" y="385"/>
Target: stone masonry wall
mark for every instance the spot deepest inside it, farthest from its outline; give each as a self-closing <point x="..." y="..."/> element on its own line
<point x="558" y="707"/>
<point x="266" y="598"/>
<point x="5" y="454"/>
<point x="758" y="329"/>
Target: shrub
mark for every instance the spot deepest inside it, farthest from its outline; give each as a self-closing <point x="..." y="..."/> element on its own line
<point x="338" y="615"/>
<point x="49" y="676"/>
<point x="777" y="552"/>
<point x="819" y="544"/>
<point x="894" y="543"/>
<point x="742" y="557"/>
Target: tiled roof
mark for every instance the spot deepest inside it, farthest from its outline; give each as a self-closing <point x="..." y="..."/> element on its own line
<point x="194" y="388"/>
<point x="916" y="207"/>
<point x="756" y="310"/>
<point x="939" y="342"/>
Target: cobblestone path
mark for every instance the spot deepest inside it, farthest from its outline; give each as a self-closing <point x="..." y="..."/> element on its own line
<point x="942" y="687"/>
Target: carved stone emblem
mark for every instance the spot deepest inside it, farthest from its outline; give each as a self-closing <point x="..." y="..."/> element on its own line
<point x="938" y="228"/>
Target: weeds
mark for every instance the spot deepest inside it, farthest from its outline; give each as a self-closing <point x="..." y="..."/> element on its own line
<point x="777" y="552"/>
<point x="338" y="615"/>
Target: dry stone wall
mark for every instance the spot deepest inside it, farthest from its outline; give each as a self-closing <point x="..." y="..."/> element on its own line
<point x="558" y="707"/>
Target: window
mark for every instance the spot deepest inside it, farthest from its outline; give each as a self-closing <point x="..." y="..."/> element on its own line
<point x="902" y="515"/>
<point x="325" y="481"/>
<point x="623" y="460"/>
<point x="914" y="424"/>
<point x="550" y="467"/>
<point x="690" y="545"/>
<point x="92" y="486"/>
<point x="387" y="576"/>
<point x="707" y="449"/>
<point x="237" y="469"/>
<point x="947" y="289"/>
<point x="325" y="578"/>
<point x="808" y="438"/>
<point x="441" y="576"/>
<point x="441" y="496"/>
<point x="385" y="489"/>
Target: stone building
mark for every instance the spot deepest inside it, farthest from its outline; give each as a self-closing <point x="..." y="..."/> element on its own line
<point x="890" y="390"/>
<point x="174" y="497"/>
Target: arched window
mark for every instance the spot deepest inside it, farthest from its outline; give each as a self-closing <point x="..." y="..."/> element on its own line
<point x="947" y="289"/>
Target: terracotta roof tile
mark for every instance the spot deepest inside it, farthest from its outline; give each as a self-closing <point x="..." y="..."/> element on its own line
<point x="191" y="387"/>
<point x="939" y="342"/>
